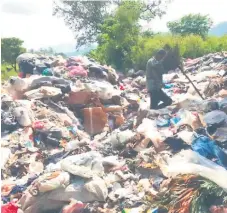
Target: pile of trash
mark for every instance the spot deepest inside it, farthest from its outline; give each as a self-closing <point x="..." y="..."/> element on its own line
<point x="78" y="137"/>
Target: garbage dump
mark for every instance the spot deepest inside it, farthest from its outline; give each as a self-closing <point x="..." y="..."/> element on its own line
<point x="78" y="138"/>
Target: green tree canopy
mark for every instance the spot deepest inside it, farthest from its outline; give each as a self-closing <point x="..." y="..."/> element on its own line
<point x="86" y="17"/>
<point x="119" y="34"/>
<point x="11" y="48"/>
<point x="196" y="24"/>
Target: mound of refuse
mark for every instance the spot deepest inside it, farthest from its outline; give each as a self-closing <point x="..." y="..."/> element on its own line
<point x="77" y="136"/>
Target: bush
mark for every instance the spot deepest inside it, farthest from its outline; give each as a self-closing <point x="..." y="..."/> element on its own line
<point x="191" y="46"/>
<point x="5" y="74"/>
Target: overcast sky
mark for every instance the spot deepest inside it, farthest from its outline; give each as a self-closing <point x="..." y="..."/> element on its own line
<point x="32" y="20"/>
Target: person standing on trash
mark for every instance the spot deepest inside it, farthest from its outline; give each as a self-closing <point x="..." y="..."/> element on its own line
<point x="154" y="72"/>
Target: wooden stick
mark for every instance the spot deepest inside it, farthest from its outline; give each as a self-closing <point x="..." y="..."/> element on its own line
<point x="181" y="69"/>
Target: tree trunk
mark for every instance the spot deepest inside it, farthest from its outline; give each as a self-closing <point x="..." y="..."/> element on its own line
<point x="14" y="66"/>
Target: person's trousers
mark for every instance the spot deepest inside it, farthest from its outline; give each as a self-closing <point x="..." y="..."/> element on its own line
<point x="158" y="95"/>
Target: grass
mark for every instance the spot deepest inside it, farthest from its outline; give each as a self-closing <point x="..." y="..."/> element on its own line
<point x="6" y="74"/>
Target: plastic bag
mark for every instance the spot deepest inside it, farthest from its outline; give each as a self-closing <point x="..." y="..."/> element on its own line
<point x="189" y="162"/>
<point x="186" y="136"/>
<point x="104" y="89"/>
<point x="24" y="116"/>
<point x="149" y="130"/>
<point x="52" y="181"/>
<point x="223" y="105"/>
<point x="188" y="118"/>
<point x="94" y="190"/>
<point x="84" y="165"/>
<point x="118" y="138"/>
<point x="18" y="84"/>
<point x="5" y="155"/>
<point x="215" y="117"/>
<point x="209" y="149"/>
<point x="77" y="71"/>
<point x="8" y="121"/>
<point x="72" y="145"/>
<point x="210" y="105"/>
<point x="187" y="101"/>
<point x="9" y="208"/>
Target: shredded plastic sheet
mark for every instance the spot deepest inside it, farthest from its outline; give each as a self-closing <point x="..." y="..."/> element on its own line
<point x="189" y="162"/>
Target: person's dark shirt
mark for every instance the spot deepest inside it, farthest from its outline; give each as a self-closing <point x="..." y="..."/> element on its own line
<point x="154" y="72"/>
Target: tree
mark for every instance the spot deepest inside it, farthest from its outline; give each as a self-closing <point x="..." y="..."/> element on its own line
<point x="191" y="24"/>
<point x="11" y="48"/>
<point x="86" y="17"/>
<point x="148" y="33"/>
<point x="120" y="33"/>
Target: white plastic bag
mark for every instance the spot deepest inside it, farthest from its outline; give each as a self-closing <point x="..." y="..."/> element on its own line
<point x="119" y="138"/>
<point x="46" y="184"/>
<point x="5" y="155"/>
<point x="84" y="165"/>
<point x="149" y="130"/>
<point x="189" y="162"/>
<point x="24" y="116"/>
<point x="186" y="136"/>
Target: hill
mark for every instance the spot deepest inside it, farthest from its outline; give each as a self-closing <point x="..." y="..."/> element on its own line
<point x="219" y="29"/>
<point x="81" y="51"/>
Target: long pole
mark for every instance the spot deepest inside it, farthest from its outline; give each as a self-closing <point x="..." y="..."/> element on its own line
<point x="181" y="69"/>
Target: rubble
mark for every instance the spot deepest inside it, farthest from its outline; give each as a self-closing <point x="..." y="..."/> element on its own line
<point x="75" y="139"/>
